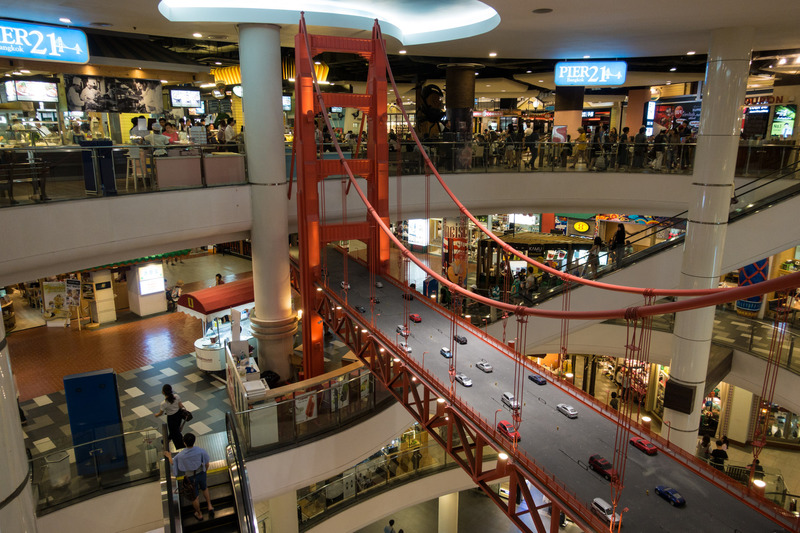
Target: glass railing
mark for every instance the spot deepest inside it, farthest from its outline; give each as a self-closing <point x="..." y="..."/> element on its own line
<point x="305" y="414"/>
<point x="753" y="160"/>
<point x="380" y="473"/>
<point x="240" y="480"/>
<point x="36" y="174"/>
<point x="66" y="475"/>
<point x="740" y="472"/>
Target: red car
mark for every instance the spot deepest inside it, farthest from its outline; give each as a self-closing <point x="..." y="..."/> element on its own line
<point x="507" y="430"/>
<point x="599" y="464"/>
<point x="414" y="317"/>
<point x="645" y="445"/>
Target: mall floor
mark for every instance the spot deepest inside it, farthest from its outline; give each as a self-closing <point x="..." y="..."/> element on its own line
<point x="149" y="352"/>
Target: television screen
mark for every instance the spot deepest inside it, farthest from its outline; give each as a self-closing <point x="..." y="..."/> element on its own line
<point x="185" y="98"/>
<point x="36" y="91"/>
<point x="287" y="103"/>
<point x="199" y="110"/>
<point x="783" y="120"/>
<point x="11" y="91"/>
<point x="336" y="110"/>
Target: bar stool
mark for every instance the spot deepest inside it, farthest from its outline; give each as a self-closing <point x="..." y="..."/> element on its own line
<point x="131" y="171"/>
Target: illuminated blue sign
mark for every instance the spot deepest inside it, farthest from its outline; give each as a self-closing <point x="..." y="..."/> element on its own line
<point x="22" y="40"/>
<point x="590" y="73"/>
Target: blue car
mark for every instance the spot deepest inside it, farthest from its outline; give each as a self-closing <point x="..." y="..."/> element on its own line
<point x="671" y="495"/>
<point x="536" y="378"/>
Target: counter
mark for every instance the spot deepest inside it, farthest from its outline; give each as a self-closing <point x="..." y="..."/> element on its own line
<point x="210" y="355"/>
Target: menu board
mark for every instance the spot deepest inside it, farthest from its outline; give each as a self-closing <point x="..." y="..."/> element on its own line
<point x="36" y="91"/>
<point x="198" y="135"/>
<point x="151" y="279"/>
<point x="219" y="106"/>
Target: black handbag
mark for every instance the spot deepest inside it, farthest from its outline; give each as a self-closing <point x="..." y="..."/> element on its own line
<point x="185" y="414"/>
<point x="187" y="487"/>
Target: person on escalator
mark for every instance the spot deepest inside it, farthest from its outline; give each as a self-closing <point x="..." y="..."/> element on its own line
<point x="193" y="462"/>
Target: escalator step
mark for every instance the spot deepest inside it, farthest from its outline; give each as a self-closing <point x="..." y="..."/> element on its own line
<point x="224" y="520"/>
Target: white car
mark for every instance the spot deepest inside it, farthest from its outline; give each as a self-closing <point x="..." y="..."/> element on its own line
<point x="445" y="351"/>
<point x="567" y="410"/>
<point x="484" y="365"/>
<point x="345" y="285"/>
<point x="463" y="379"/>
<point x="406" y="347"/>
<point x="402" y="330"/>
<point x="509" y="401"/>
<point x="379" y="284"/>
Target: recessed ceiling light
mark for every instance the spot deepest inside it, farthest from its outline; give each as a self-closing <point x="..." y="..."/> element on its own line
<point x="541" y="81"/>
<point x="502" y="90"/>
<point x="65" y="20"/>
<point x="669" y="83"/>
<point x="401" y="52"/>
<point x="217" y="62"/>
<point x="492" y="54"/>
<point x="476" y="73"/>
<point x="198" y="35"/>
<point x="772" y="66"/>
<point x="488" y="85"/>
<point x="673" y="69"/>
<point x="542" y="10"/>
<point x="24" y="71"/>
<point x="317" y="62"/>
<point x="17" y="73"/>
<point x="797" y="60"/>
<point x="528" y="71"/>
<point x="782" y="61"/>
<point x="586" y="57"/>
<point x="691" y="53"/>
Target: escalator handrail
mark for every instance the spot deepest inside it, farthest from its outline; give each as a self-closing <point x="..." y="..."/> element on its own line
<point x="170" y="495"/>
<point x="244" y="501"/>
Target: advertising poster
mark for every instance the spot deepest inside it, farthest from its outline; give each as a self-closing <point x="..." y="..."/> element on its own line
<point x="669" y="115"/>
<point x="55" y="301"/>
<point x="364" y="386"/>
<point x="783" y="121"/>
<point x="341" y="395"/>
<point x="305" y="408"/>
<point x="454" y="241"/>
<point x="559" y="134"/>
<point x="122" y="95"/>
<point x="73" y="296"/>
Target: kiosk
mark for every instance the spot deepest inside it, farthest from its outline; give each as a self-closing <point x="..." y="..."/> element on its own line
<point x="223" y="309"/>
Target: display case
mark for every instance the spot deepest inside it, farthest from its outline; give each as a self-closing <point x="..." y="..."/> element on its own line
<point x="210" y="349"/>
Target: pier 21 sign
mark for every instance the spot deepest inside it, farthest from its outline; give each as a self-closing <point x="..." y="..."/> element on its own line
<point x="590" y="73"/>
<point x="23" y="40"/>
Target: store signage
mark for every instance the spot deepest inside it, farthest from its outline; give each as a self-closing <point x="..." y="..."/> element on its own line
<point x="587" y="114"/>
<point x="591" y="73"/>
<point x="23" y="40"/>
<point x="752" y="110"/>
<point x="487" y="113"/>
<point x="581" y="227"/>
<point x="755" y="100"/>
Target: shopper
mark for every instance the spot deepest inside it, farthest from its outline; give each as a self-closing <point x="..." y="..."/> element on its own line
<point x="704" y="448"/>
<point x="193" y="462"/>
<point x="639" y="148"/>
<point x="618" y="244"/>
<point x="171" y="407"/>
<point x="593" y="260"/>
<point x="718" y="457"/>
<point x="622" y="149"/>
<point x="725" y="442"/>
<point x="220" y="281"/>
<point x="614" y="401"/>
<point x="389" y="528"/>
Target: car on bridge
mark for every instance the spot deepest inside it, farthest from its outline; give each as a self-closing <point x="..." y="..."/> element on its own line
<point x="509" y="401"/>
<point x="405" y="347"/>
<point x="379" y="284"/>
<point x="414" y="317"/>
<point x="402" y="330"/>
<point x="484" y="365"/>
<point x="361" y="309"/>
<point x="374" y="299"/>
<point x="604" y="510"/>
<point x="507" y="430"/>
<point x="600" y="464"/>
<point x="536" y="378"/>
<point x="645" y="445"/>
<point x="463" y="379"/>
<point x="460" y="339"/>
<point x="567" y="410"/>
<point x="671" y="495"/>
<point x="345" y="285"/>
<point x="445" y="351"/>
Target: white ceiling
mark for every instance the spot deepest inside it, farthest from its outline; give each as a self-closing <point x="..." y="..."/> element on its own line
<point x="612" y="29"/>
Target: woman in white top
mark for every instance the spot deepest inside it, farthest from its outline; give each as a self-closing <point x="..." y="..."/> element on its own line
<point x="170" y="406"/>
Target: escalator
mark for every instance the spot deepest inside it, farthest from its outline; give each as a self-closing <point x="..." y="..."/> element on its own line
<point x="758" y="208"/>
<point x="228" y="487"/>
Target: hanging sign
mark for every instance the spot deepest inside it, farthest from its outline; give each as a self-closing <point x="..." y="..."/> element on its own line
<point x="590" y="73"/>
<point x="24" y="40"/>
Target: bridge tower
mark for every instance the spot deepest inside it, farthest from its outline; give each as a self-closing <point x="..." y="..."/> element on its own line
<point x="312" y="169"/>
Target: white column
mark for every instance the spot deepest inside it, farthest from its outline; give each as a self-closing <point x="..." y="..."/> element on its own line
<point x="274" y="324"/>
<point x="18" y="515"/>
<point x="712" y="183"/>
<point x="448" y="513"/>
<point x="283" y="513"/>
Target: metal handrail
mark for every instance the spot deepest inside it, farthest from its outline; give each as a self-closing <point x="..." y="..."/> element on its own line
<point x="239" y="480"/>
<point x="170" y="493"/>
